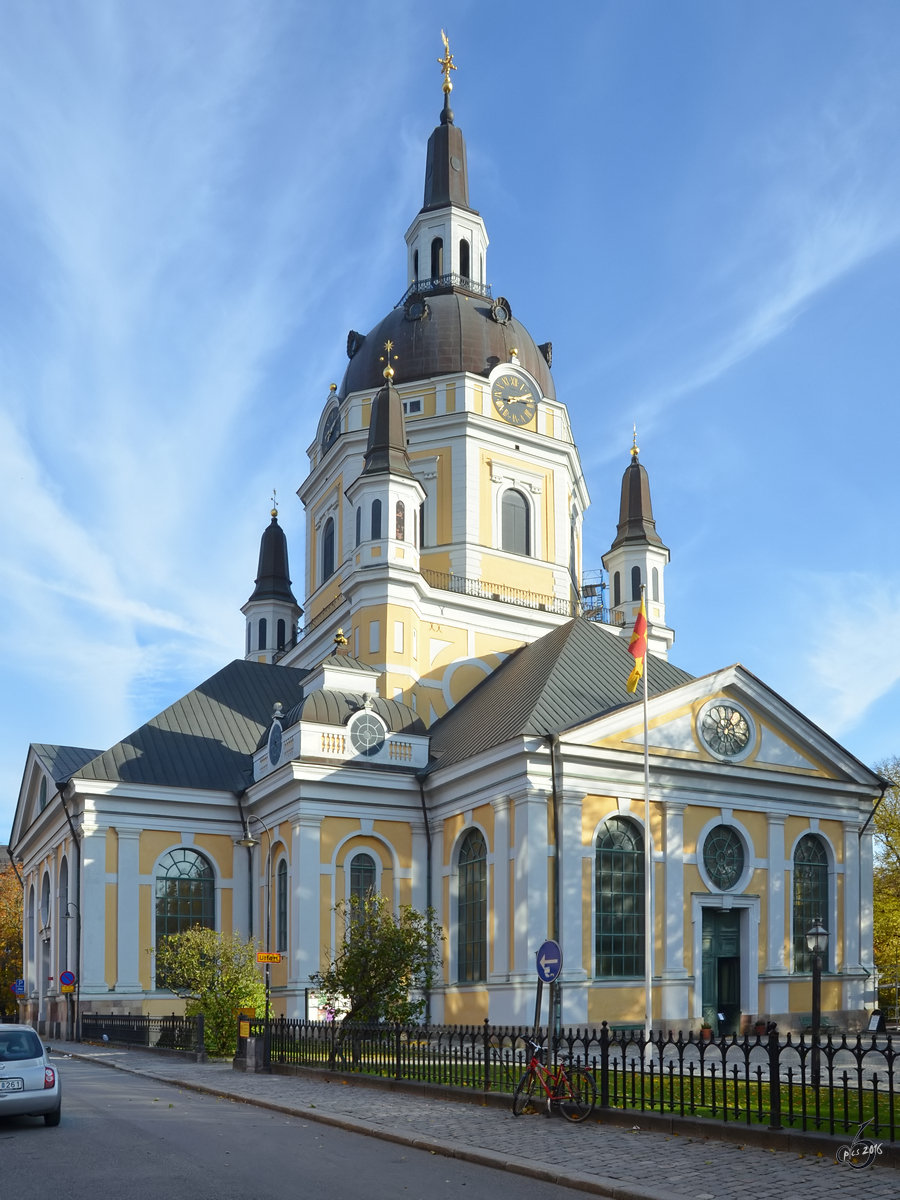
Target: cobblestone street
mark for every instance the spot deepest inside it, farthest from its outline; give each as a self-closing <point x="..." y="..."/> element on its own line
<point x="659" y="1164"/>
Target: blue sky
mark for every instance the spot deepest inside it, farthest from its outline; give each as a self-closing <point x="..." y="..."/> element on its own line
<point x="698" y="203"/>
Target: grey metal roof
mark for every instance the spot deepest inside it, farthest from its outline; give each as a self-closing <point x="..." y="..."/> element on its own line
<point x="636" y="523"/>
<point x="63" y="761"/>
<point x="568" y="676"/>
<point x="330" y="707"/>
<point x="207" y="738"/>
<point x="272" y="575"/>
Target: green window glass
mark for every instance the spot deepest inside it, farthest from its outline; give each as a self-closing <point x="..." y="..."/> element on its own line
<point x="810" y="895"/>
<point x="185" y="893"/>
<point x="472" y="913"/>
<point x="723" y="857"/>
<point x="619" y="883"/>
<point x="362" y="876"/>
<point x="281" y="919"/>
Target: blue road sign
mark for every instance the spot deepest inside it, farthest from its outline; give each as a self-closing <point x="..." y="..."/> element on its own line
<point x="19" y="987"/>
<point x="549" y="962"/>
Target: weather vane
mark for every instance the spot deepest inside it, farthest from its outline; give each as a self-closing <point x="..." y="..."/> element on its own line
<point x="274" y="503"/>
<point x="446" y="64"/>
<point x="635" y="451"/>
<point x="388" y="370"/>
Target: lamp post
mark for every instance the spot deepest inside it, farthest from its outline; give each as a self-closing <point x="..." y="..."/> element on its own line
<point x="817" y="941"/>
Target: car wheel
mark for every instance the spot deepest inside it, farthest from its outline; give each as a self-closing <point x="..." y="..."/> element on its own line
<point x="52" y="1118"/>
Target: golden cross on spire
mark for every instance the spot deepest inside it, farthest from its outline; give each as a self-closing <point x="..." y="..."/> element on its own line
<point x="388" y="370"/>
<point x="274" y="503"/>
<point x="634" y="446"/>
<point x="446" y="64"/>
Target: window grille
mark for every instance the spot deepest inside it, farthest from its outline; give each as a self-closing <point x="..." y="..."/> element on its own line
<point x="185" y="894"/>
<point x="263" y="633"/>
<point x="810" y="896"/>
<point x="635" y="583"/>
<point x="376" y="520"/>
<point x="362" y="877"/>
<point x="472" y="909"/>
<point x="619" y="935"/>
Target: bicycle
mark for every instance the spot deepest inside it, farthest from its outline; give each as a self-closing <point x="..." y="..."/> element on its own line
<point x="572" y="1088"/>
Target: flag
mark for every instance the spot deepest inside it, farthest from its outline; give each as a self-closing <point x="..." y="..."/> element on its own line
<point x="637" y="647"/>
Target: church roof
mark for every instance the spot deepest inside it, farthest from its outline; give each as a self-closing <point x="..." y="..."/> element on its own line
<point x="386" y="447"/>
<point x="636" y="522"/>
<point x="63" y="761"/>
<point x="272" y="579"/>
<point x="568" y="676"/>
<point x="327" y="706"/>
<point x="207" y="738"/>
<point x="446" y="167"/>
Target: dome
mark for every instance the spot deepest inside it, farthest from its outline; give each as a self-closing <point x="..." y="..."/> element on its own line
<point x="457" y="333"/>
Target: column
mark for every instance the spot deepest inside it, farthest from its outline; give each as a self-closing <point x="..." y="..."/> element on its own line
<point x="866" y="888"/>
<point x="569" y="863"/>
<point x="304" y="918"/>
<point x="128" y="911"/>
<point x="500" y="893"/>
<point x="854" y="987"/>
<point x="776" y="986"/>
<point x="674" y="976"/>
<point x="93" y="912"/>
<point x="530" y="911"/>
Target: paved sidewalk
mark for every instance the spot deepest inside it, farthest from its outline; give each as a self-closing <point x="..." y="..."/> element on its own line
<point x="628" y="1165"/>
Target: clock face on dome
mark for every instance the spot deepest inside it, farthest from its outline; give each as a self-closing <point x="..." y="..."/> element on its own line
<point x="514" y="398"/>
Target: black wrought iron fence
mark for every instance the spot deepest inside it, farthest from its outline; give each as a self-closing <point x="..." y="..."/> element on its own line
<point x="782" y="1082"/>
<point x="160" y="1033"/>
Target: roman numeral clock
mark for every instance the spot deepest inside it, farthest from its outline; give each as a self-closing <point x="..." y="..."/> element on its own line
<point x="514" y="398"/>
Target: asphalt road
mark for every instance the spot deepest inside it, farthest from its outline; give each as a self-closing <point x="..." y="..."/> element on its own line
<point x="126" y="1138"/>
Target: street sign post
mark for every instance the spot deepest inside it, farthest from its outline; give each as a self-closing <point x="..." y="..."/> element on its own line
<point x="549" y="965"/>
<point x="67" y="981"/>
<point x="18" y="987"/>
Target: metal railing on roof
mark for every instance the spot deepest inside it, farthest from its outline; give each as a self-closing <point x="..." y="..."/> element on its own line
<point x="439" y="283"/>
<point x="313" y="623"/>
<point x="484" y="590"/>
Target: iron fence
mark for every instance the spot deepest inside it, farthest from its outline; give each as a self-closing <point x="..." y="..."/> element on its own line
<point x="158" y="1033"/>
<point x="498" y="592"/>
<point x="759" y="1078"/>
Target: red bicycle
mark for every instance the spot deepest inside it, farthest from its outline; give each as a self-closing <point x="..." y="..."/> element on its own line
<point x="571" y="1087"/>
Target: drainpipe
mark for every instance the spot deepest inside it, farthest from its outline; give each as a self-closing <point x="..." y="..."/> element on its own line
<point x="556" y="1017"/>
<point x="62" y="795"/>
<point x="885" y="784"/>
<point x="247" y="838"/>
<point x="428" y="906"/>
<point x="15" y="868"/>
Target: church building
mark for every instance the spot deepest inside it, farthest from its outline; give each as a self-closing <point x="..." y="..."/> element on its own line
<point x="445" y="719"/>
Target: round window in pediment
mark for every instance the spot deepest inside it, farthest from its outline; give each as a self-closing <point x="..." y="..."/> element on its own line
<point x="367" y="734"/>
<point x="723" y="857"/>
<point x="725" y="730"/>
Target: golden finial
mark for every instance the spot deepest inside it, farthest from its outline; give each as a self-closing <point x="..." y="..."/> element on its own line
<point x="446" y="64"/>
<point x="635" y="451"/>
<point x="332" y="387"/>
<point x="388" y="370"/>
<point x="274" y="503"/>
<point x="339" y="639"/>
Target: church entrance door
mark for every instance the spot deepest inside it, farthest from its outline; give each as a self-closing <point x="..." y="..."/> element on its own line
<point x="722" y="969"/>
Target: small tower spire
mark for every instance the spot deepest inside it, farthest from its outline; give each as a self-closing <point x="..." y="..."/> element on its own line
<point x="272" y="611"/>
<point x="386" y="448"/>
<point x="447" y="65"/>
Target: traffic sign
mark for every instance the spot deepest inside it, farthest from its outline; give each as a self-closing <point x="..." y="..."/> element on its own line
<point x="67" y="978"/>
<point x="549" y="962"/>
<point x="18" y="987"/>
<point x="67" y="987"/>
<point x="264" y="957"/>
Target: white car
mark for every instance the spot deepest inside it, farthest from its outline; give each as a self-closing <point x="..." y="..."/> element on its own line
<point x="28" y="1084"/>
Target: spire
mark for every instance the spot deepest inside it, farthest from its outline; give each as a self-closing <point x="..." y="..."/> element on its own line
<point x="386" y="449"/>
<point x="636" y="522"/>
<point x="446" y="170"/>
<point x="272" y="580"/>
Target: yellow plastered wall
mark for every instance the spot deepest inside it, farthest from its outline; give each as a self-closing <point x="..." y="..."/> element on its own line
<point x="332" y="830"/>
<point x="694" y="820"/>
<point x="834" y="832"/>
<point x="220" y="848"/>
<point x="692" y="883"/>
<point x="112" y="851"/>
<point x="616" y="1005"/>
<point x="587" y="888"/>
<point x="452" y="827"/>
<point x="155" y="842"/>
<point x="483" y="815"/>
<point x="399" y="834"/>
<point x="111" y="957"/>
<point x="466" y="1008"/>
<point x="451" y="397"/>
<point x="593" y="810"/>
<point x="145" y="932"/>
<point x="324" y="920"/>
<point x="756" y="825"/>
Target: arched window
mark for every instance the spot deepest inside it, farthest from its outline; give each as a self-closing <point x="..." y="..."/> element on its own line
<point x="376" y="520"/>
<point x="362" y="876"/>
<point x="437" y="257"/>
<point x="328" y="550"/>
<point x="422" y="525"/>
<point x="45" y="902"/>
<point x="281" y="915"/>
<point x="635" y="583"/>
<point x="62" y="928"/>
<point x="400" y="532"/>
<point x="281" y="629"/>
<point x="472" y="914"/>
<point x="515" y="522"/>
<point x="263" y="633"/>
<point x="415" y="264"/>
<point x="185" y="894"/>
<point x="481" y="268"/>
<point x="358" y="526"/>
<point x="810" y="895"/>
<point x="464" y="267"/>
<point x="248" y="637"/>
<point x="42" y="796"/>
<point x="31" y="939"/>
<point x="617" y="590"/>
<point x="619" y="937"/>
<point x="655" y="578"/>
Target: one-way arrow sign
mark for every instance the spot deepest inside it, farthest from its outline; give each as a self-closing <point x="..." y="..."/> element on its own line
<point x="549" y="962"/>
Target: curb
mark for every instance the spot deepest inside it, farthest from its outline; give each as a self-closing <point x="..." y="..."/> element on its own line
<point x="596" y="1185"/>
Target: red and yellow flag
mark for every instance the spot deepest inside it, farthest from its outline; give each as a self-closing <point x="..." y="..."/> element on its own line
<point x="637" y="647"/>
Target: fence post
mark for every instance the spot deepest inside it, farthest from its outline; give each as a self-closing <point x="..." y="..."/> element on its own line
<point x="774" y="1078"/>
<point x="487" y="1056"/>
<point x="397" y="1064"/>
<point x="201" y="1037"/>
<point x="604" y="1065"/>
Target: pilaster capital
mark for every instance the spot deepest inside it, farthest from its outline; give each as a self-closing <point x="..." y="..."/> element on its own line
<point x="307" y="821"/>
<point x="500" y="805"/>
<point x="674" y="808"/>
<point x="852" y="825"/>
<point x="775" y="819"/>
<point x="129" y="835"/>
<point x="571" y="796"/>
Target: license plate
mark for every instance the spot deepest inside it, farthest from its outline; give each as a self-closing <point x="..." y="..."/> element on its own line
<point x="12" y="1085"/>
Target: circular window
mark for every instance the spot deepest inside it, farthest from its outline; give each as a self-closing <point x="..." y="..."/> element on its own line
<point x="275" y="744"/>
<point x="723" y="857"/>
<point x="725" y="730"/>
<point x="367" y="735"/>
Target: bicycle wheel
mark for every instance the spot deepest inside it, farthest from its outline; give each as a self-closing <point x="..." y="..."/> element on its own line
<point x="577" y="1094"/>
<point x="525" y="1092"/>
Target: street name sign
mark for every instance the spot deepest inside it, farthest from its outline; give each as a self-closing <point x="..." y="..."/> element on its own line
<point x="549" y="962"/>
<point x="264" y="956"/>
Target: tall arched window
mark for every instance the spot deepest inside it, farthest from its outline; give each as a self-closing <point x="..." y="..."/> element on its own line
<point x="248" y="637"/>
<point x="617" y="590"/>
<point x="263" y="633"/>
<point x="635" y="583"/>
<point x="376" y="520"/>
<point x="422" y="525"/>
<point x="810" y="895"/>
<point x="415" y="264"/>
<point x="362" y="876"/>
<point x="464" y="267"/>
<point x="31" y="939"/>
<point x="472" y="914"/>
<point x="437" y="257"/>
<point x="42" y="796"/>
<point x="619" y="883"/>
<point x="281" y="632"/>
<point x="358" y="526"/>
<point x="400" y="532"/>
<point x="655" y="578"/>
<point x="515" y="518"/>
<point x="62" y="927"/>
<point x="281" y="904"/>
<point x="185" y="893"/>
<point x="328" y="549"/>
<point x="45" y="901"/>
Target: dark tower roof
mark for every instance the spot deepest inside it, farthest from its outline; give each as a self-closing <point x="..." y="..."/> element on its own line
<point x="636" y="522"/>
<point x="446" y="170"/>
<point x="386" y="449"/>
<point x="272" y="579"/>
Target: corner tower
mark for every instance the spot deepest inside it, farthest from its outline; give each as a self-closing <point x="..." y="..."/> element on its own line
<point x="272" y="611"/>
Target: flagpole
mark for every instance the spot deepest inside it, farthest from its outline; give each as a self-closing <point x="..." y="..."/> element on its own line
<point x="648" y="858"/>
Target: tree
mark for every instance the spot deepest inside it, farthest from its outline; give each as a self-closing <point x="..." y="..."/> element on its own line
<point x="10" y="938"/>
<point x="216" y="974"/>
<point x="886" y="827"/>
<point x="384" y="965"/>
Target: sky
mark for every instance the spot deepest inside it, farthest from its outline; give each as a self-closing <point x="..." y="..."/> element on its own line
<point x="698" y="203"/>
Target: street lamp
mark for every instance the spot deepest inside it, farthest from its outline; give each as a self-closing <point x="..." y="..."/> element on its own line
<point x="817" y="942"/>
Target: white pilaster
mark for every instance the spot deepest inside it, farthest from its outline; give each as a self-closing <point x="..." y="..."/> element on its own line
<point x="500" y="898"/>
<point x="530" y="897"/>
<point x="674" y="998"/>
<point x="305" y="914"/>
<point x="866" y="889"/>
<point x="128" y="912"/>
<point x="776" y="987"/>
<point x="854" y="988"/>
<point x="93" y="912"/>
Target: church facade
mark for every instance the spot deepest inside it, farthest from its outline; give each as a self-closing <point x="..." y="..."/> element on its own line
<point x="445" y="719"/>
